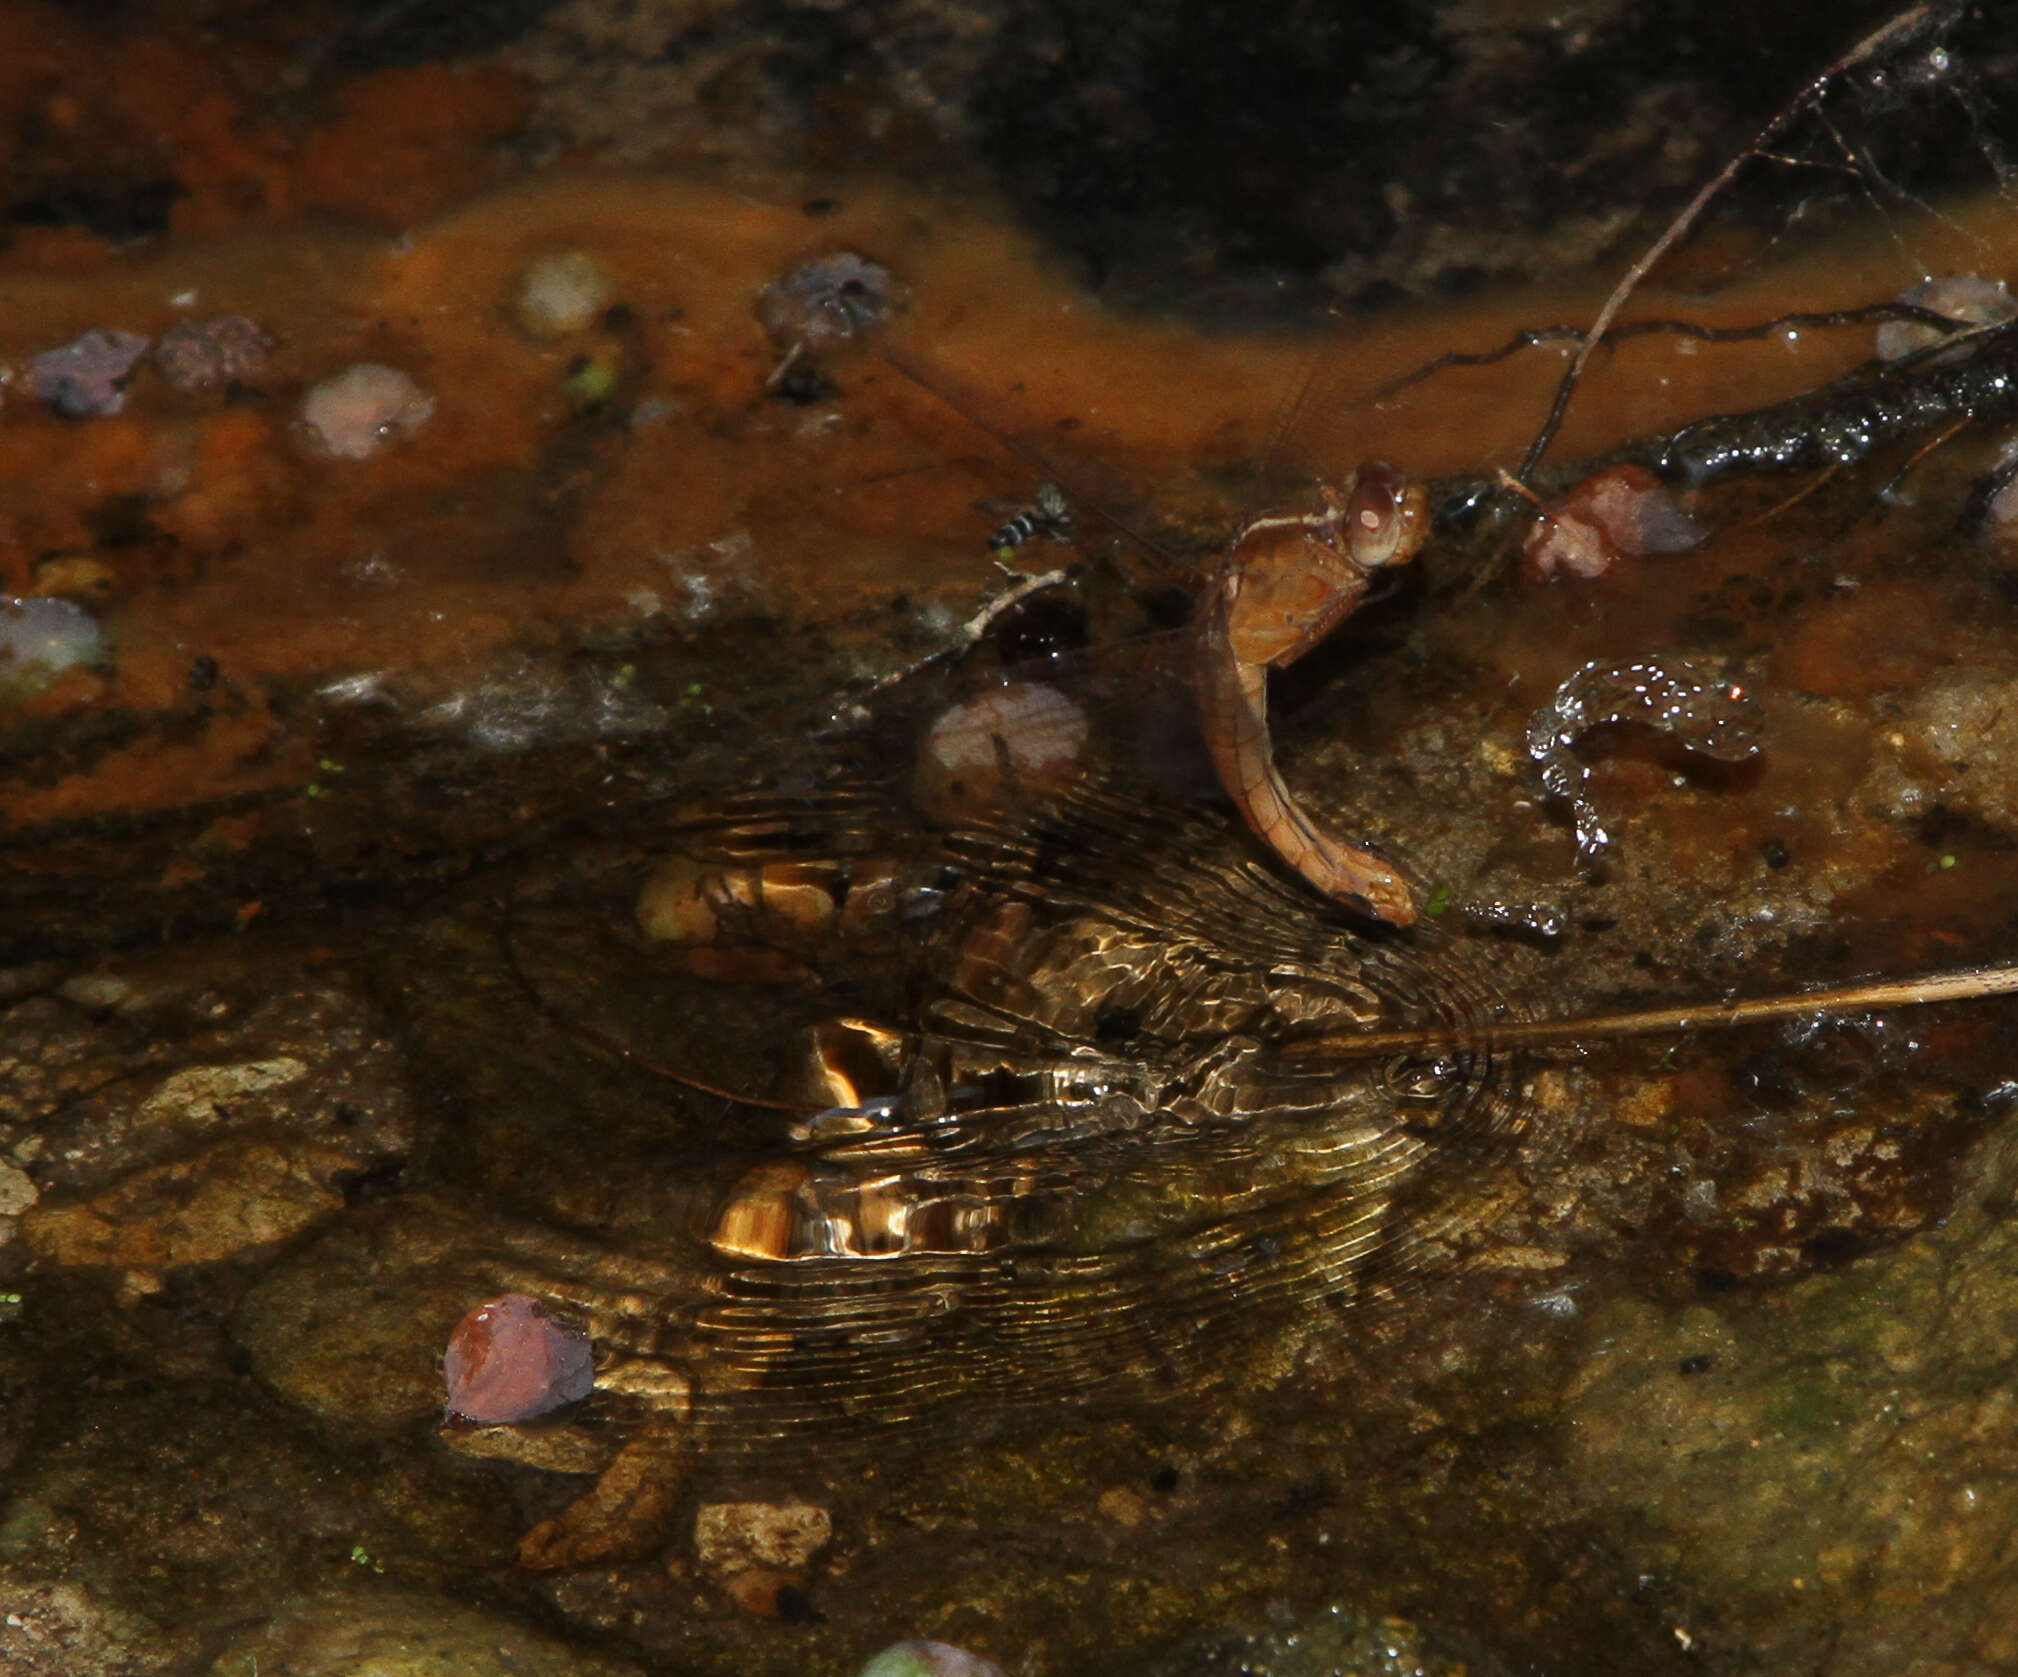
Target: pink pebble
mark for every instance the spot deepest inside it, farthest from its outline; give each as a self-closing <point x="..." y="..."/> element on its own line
<point x="1617" y="513"/>
<point x="509" y="1360"/>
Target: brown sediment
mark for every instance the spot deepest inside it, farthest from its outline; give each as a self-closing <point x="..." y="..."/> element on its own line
<point x="504" y="515"/>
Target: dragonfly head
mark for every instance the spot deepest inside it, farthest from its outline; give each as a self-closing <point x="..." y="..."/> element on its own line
<point x="1383" y="516"/>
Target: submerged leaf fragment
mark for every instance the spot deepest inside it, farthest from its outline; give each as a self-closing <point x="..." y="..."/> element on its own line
<point x="828" y="300"/>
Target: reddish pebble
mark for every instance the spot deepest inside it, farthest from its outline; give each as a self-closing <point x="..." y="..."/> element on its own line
<point x="218" y="350"/>
<point x="1619" y="512"/>
<point x="757" y="1591"/>
<point x="509" y="1360"/>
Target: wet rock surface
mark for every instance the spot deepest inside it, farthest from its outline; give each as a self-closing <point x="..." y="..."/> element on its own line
<point x="51" y="1628"/>
<point x="176" y="1115"/>
<point x="386" y="1633"/>
<point x="1690" y="1357"/>
<point x="1846" y="1444"/>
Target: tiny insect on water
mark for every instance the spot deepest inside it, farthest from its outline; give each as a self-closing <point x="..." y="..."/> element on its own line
<point x="1048" y="515"/>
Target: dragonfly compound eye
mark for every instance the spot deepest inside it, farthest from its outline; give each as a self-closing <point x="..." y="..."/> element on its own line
<point x="1386" y="516"/>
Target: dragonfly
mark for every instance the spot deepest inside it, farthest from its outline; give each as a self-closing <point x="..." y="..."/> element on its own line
<point x="1111" y="1088"/>
<point x="1287" y="579"/>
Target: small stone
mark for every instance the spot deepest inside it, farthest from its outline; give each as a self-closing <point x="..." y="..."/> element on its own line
<point x="556" y="1449"/>
<point x="509" y="1360"/>
<point x="763" y="1591"/>
<point x="368" y="1629"/>
<point x="17" y="1191"/>
<point x="202" y="354"/>
<point x="929" y="1659"/>
<point x="1620" y="512"/>
<point x="783" y="1536"/>
<point x="199" y="1096"/>
<point x="99" y="992"/>
<point x="1964" y="297"/>
<point x="357" y="411"/>
<point x="64" y="1629"/>
<point x="87" y="377"/>
<point x="1123" y="1507"/>
<point x="563" y="293"/>
<point x="40" y="639"/>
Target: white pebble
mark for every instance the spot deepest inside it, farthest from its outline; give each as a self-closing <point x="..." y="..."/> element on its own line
<point x="1019" y="739"/>
<point x="929" y="1659"/>
<point x="1964" y="297"/>
<point x="562" y="293"/>
<point x="40" y="638"/>
<point x="17" y="1191"/>
<point x="353" y="414"/>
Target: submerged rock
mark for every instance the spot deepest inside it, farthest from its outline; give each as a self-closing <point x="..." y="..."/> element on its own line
<point x="358" y="411"/>
<point x="87" y="377"/>
<point x="729" y="1536"/>
<point x="64" y="1629"/>
<point x="40" y="639"/>
<point x="509" y="1360"/>
<point x="392" y="1634"/>
<point x="1834" y="1466"/>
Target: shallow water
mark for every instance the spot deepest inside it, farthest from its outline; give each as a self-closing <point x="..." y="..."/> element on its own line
<point x="1141" y="1336"/>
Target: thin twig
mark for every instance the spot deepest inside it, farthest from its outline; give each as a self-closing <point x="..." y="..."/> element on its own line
<point x="1801" y="494"/>
<point x="1897" y="481"/>
<point x="1968" y="985"/>
<point x="584" y="1032"/>
<point x="1902" y="26"/>
<point x="1800" y="320"/>
<point x="969" y="633"/>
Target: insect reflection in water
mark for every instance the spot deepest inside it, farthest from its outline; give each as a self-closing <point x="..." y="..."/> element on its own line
<point x="1115" y="1096"/>
<point x="1078" y="1160"/>
<point x="1134" y="1092"/>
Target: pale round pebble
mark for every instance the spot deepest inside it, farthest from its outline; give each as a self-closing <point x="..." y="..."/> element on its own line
<point x="981" y="757"/>
<point x="562" y="293"/>
<point x="357" y="411"/>
<point x="41" y="638"/>
<point x="17" y="1191"/>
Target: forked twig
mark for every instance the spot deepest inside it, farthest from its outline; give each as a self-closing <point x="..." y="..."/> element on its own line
<point x="1901" y="27"/>
<point x="965" y="638"/>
